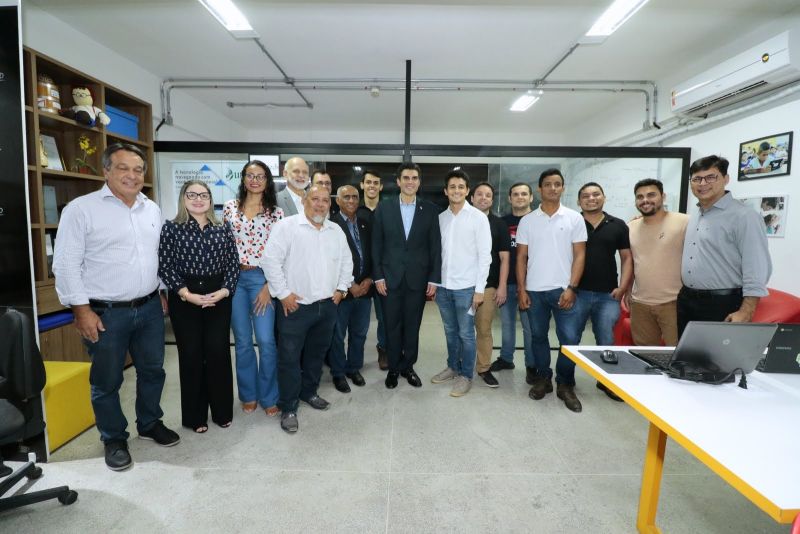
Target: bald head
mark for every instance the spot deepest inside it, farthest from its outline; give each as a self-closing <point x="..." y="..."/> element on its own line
<point x="317" y="203"/>
<point x="296" y="173"/>
<point x="347" y="199"/>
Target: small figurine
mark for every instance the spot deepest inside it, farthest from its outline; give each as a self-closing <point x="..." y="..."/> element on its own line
<point x="84" y="111"/>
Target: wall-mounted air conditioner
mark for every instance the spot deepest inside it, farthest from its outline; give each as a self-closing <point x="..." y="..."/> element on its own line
<point x="767" y="66"/>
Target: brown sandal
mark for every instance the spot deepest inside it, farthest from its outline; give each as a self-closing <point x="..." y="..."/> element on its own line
<point x="249" y="407"/>
<point x="272" y="411"/>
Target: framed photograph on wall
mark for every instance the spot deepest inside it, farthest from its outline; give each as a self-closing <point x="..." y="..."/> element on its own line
<point x="51" y="157"/>
<point x="766" y="157"/>
<point x="774" y="212"/>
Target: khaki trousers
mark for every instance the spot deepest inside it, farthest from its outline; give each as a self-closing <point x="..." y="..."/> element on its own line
<point x="483" y="330"/>
<point x="651" y="323"/>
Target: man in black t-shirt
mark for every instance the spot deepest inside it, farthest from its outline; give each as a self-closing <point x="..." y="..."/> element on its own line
<point x="600" y="290"/>
<point x="496" y="290"/>
<point x="520" y="196"/>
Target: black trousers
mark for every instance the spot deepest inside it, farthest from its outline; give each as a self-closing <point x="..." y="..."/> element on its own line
<point x="698" y="305"/>
<point x="204" y="359"/>
<point x="403" y="315"/>
<point x="304" y="334"/>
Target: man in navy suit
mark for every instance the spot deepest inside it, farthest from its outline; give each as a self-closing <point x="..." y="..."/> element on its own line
<point x="407" y="260"/>
<point x="354" y="310"/>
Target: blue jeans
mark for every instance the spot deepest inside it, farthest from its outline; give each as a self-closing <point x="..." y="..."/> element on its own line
<point x="305" y="333"/>
<point x="508" y="317"/>
<point x="459" y="328"/>
<point x="377" y="298"/>
<point x="257" y="380"/>
<point x="543" y="305"/>
<point x="353" y="317"/>
<point x="604" y="311"/>
<point x="139" y="331"/>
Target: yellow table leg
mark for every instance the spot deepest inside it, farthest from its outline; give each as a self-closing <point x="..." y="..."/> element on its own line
<point x="651" y="480"/>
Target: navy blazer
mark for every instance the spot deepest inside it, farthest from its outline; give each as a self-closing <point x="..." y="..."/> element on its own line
<point x="418" y="259"/>
<point x="366" y="246"/>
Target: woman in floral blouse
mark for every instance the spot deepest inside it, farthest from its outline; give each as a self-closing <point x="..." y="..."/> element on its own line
<point x="198" y="263"/>
<point x="251" y="217"/>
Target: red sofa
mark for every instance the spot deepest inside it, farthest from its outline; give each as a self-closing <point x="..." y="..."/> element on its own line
<point x="778" y="307"/>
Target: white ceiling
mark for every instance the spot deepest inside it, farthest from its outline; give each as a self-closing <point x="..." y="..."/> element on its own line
<point x="372" y="39"/>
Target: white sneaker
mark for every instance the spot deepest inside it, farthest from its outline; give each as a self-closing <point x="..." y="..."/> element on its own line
<point x="461" y="386"/>
<point x="444" y="376"/>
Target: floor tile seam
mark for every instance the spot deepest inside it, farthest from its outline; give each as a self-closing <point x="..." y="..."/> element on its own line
<point x="389" y="478"/>
<point x="552" y="442"/>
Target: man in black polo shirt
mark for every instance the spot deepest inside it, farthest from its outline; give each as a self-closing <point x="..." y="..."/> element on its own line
<point x="600" y="291"/>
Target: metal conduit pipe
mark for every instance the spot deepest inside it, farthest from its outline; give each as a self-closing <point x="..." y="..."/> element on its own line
<point x="676" y="127"/>
<point x="261" y="83"/>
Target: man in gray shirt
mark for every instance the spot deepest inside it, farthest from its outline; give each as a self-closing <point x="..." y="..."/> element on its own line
<point x="726" y="263"/>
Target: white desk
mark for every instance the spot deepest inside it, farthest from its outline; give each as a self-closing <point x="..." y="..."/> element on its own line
<point x="749" y="437"/>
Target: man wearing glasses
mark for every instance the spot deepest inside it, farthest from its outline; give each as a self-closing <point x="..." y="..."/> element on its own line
<point x="106" y="269"/>
<point x="726" y="263"/>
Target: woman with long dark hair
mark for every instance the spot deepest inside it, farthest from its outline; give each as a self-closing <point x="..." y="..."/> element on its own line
<point x="251" y="217"/>
<point x="198" y="263"/>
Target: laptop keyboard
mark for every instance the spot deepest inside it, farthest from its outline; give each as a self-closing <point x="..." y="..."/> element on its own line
<point x="660" y="359"/>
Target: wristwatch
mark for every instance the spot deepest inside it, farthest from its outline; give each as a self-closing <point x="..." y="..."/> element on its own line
<point x="573" y="288"/>
<point x="343" y="293"/>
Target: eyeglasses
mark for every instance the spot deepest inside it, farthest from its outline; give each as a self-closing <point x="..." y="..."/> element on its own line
<point x="709" y="178"/>
<point x="256" y="177"/>
<point x="191" y="195"/>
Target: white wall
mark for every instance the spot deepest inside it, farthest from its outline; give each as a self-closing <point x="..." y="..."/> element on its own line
<point x="725" y="141"/>
<point x="396" y="137"/>
<point x="194" y="121"/>
<point x="724" y="138"/>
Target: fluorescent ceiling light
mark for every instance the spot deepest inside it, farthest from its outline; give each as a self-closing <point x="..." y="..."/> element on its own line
<point x="525" y="101"/>
<point x="226" y="12"/>
<point x="614" y="17"/>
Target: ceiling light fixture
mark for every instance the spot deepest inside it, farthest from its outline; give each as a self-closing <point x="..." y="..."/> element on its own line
<point x="226" y="12"/>
<point x="526" y="101"/>
<point x="611" y="20"/>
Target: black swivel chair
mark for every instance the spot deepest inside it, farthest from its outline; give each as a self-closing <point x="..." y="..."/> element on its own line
<point x="22" y="377"/>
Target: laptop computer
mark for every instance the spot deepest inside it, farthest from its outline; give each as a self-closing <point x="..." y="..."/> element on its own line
<point x="783" y="354"/>
<point x="712" y="351"/>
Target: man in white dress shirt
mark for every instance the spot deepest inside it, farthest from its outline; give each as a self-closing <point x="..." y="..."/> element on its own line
<point x="290" y="199"/>
<point x="309" y="269"/>
<point x="106" y="265"/>
<point x="466" y="257"/>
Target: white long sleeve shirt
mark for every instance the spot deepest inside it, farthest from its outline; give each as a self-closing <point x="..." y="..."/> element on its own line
<point x="466" y="248"/>
<point x="309" y="262"/>
<point x="105" y="250"/>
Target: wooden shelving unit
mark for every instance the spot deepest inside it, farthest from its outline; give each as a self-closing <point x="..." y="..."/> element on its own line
<point x="70" y="182"/>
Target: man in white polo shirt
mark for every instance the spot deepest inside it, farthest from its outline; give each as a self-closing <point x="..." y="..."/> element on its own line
<point x="466" y="257"/>
<point x="551" y="250"/>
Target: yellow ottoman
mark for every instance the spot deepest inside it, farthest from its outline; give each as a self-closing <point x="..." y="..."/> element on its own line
<point x="67" y="401"/>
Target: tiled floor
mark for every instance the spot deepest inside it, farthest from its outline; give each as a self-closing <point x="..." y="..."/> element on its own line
<point x="406" y="460"/>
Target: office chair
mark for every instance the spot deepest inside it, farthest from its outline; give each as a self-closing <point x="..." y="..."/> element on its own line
<point x="22" y="378"/>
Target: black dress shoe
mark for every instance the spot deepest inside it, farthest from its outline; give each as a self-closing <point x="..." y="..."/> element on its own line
<point x="391" y="379"/>
<point x="357" y="379"/>
<point x="412" y="378"/>
<point x="117" y="456"/>
<point x="317" y="402"/>
<point x="340" y="383"/>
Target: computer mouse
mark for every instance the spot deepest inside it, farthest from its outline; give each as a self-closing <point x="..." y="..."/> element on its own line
<point x="609" y="356"/>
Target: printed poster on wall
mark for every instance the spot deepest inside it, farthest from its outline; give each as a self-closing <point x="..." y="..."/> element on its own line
<point x="221" y="176"/>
